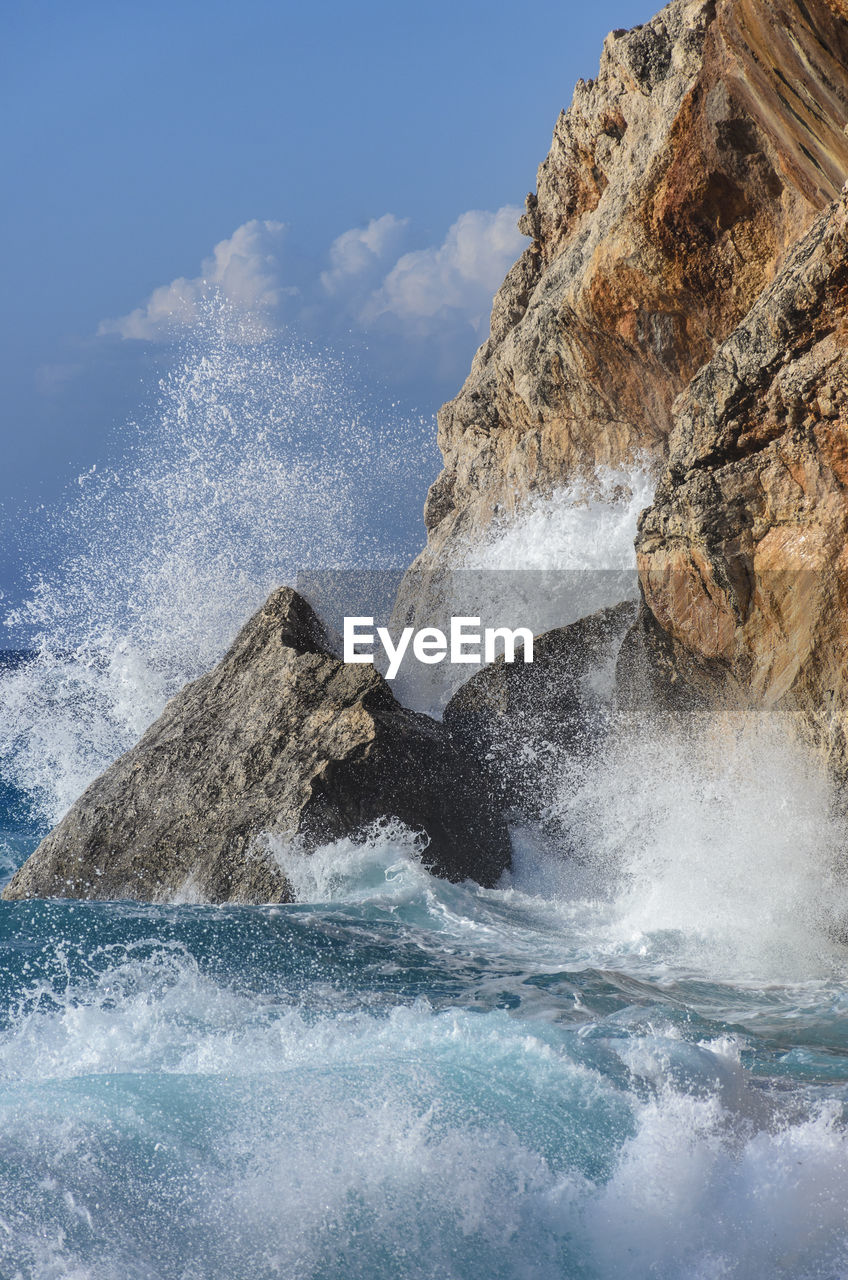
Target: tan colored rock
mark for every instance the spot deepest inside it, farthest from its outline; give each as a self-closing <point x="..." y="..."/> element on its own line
<point x="743" y="557"/>
<point x="283" y="739"/>
<point x="675" y="186"/>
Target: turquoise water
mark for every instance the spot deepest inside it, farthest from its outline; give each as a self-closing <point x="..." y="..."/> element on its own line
<point x="410" y="1078"/>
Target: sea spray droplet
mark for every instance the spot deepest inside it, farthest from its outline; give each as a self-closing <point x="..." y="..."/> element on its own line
<point x="587" y="524"/>
<point x="716" y="843"/>
<point x="260" y="456"/>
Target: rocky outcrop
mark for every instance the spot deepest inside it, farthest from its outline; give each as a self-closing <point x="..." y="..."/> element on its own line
<point x="280" y="739"/>
<point x="743" y="557"/>
<point x="676" y="184"/>
<point x="518" y="719"/>
<point x="685" y="297"/>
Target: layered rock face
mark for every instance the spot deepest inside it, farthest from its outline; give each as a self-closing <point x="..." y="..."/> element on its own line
<point x="280" y="739"/>
<point x="675" y="186"/>
<point x="743" y="557"/>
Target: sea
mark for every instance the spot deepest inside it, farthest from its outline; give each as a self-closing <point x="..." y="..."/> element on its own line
<point x="629" y="1060"/>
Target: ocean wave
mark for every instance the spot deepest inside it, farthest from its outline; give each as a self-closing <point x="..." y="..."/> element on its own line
<point x="160" y="1122"/>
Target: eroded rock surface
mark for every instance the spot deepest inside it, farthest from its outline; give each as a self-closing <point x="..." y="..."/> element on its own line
<point x="743" y="557"/>
<point x="675" y="186"/>
<point x="280" y="738"/>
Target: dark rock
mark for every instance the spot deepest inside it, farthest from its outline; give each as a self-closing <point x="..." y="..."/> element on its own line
<point x="280" y="739"/>
<point x="518" y="718"/>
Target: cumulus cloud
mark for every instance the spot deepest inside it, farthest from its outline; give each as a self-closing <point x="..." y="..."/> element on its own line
<point x="421" y="310"/>
<point x="245" y="269"/>
<point x="360" y="256"/>
<point x="461" y="275"/>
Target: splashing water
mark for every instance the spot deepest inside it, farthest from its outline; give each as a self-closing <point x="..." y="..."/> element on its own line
<point x="559" y="558"/>
<point x="718" y="846"/>
<point x="258" y="457"/>
<point x="567" y="555"/>
<point x="399" y="1076"/>
<point x="627" y="1062"/>
<point x="582" y="526"/>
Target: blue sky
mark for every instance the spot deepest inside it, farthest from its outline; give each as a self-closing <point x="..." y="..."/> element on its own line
<point x="357" y="167"/>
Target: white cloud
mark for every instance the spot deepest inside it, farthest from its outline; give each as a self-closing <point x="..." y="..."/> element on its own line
<point x="461" y="275"/>
<point x="363" y="253"/>
<point x="245" y="269"/>
<point x="422" y="308"/>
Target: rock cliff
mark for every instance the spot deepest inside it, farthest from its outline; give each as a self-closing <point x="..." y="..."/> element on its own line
<point x="281" y="738"/>
<point x="676" y="184"/>
<point x="743" y="557"/>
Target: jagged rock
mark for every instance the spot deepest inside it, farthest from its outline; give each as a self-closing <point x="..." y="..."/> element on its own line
<point x="280" y="738"/>
<point x="656" y="675"/>
<point x="675" y="186"/>
<point x="518" y="718"/>
<point x="743" y="557"/>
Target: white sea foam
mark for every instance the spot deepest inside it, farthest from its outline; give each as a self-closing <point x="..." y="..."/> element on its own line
<point x="557" y="559"/>
<point x="696" y="1195"/>
<point x="381" y="863"/>
<point x="263" y="1139"/>
<point x="722" y="837"/>
<point x="687" y="857"/>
